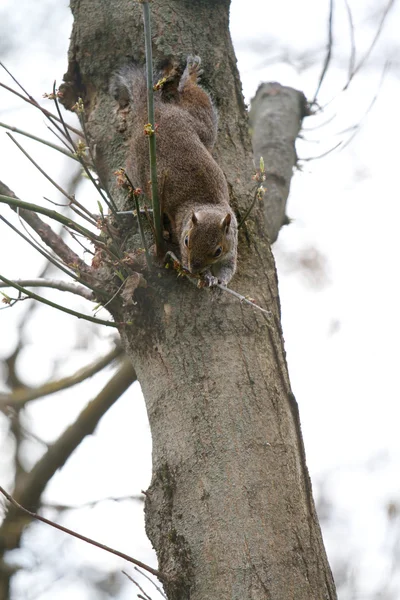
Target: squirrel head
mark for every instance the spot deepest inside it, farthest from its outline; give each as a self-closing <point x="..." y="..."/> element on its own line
<point x="206" y="239"/>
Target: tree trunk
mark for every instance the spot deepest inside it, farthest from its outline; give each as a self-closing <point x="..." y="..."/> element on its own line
<point x="229" y="510"/>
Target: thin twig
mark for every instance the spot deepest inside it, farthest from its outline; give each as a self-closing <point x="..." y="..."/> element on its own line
<point x="62" y="140"/>
<point x="63" y="286"/>
<point x="75" y="237"/>
<point x="328" y="52"/>
<point x="143" y="237"/>
<point x="71" y="199"/>
<point x="366" y="55"/>
<point x="92" y="503"/>
<point x="334" y="116"/>
<point x="81" y="271"/>
<point x="140" y="225"/>
<point x="152" y="133"/>
<point x="376" y="37"/>
<point x="352" y="60"/>
<point x="151" y="581"/>
<point x="248" y="211"/>
<point x="52" y="214"/>
<point x="195" y="282"/>
<point x="61" y="119"/>
<point x="79" y="109"/>
<point x="90" y="219"/>
<point x="308" y="158"/>
<point x="58" y="306"/>
<point x="20" y="396"/>
<point x="356" y="128"/>
<point x="81" y="118"/>
<point x="83" y="537"/>
<point x="146" y="596"/>
<point x="244" y="299"/>
<point x="132" y="212"/>
<point x="33" y="102"/>
<point x="43" y="252"/>
<point x="38" y="139"/>
<point x="28" y="156"/>
<point x="113" y="296"/>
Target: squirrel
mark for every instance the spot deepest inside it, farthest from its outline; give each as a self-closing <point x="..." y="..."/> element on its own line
<point x="194" y="193"/>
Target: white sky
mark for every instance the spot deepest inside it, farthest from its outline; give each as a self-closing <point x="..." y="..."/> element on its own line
<point x="341" y="336"/>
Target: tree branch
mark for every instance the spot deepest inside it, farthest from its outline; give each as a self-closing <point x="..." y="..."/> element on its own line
<point x="275" y="118"/>
<point x="152" y="133"/>
<point x="41" y="140"/>
<point x="29" y="489"/>
<point x="36" y="105"/>
<point x="54" y="242"/>
<point x="20" y="396"/>
<point x="63" y="286"/>
<point x="82" y="537"/>
<point x="55" y="305"/>
<point x="328" y="51"/>
<point x="52" y="214"/>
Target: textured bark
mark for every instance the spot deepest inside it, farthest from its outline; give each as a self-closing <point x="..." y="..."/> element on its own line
<point x="229" y="510"/>
<point x="275" y="119"/>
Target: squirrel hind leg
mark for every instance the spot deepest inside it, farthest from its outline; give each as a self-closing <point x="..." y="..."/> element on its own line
<point x="192" y="72"/>
<point x="197" y="102"/>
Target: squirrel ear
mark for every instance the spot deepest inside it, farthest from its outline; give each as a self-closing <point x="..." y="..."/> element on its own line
<point x="226" y="222"/>
<point x="194" y="218"/>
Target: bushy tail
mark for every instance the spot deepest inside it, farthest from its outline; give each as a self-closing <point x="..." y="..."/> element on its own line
<point x="128" y="85"/>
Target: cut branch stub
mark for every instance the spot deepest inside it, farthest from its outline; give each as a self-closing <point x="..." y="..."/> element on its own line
<point x="276" y="116"/>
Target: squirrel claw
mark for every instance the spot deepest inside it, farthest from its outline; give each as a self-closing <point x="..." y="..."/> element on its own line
<point x="209" y="280"/>
<point x="193" y="69"/>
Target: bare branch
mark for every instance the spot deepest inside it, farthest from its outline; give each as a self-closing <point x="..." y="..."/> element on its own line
<point x="46" y="254"/>
<point x="81" y="117"/>
<point x="37" y="105"/>
<point x="151" y="581"/>
<point x="29" y="490"/>
<point x="63" y="286"/>
<point x="52" y="214"/>
<point x="20" y="396"/>
<point x="51" y="239"/>
<point x="38" y="139"/>
<point x="79" y="109"/>
<point x="82" y="537"/>
<point x="134" y="196"/>
<point x="373" y="43"/>
<point x="309" y="158"/>
<point x="328" y="52"/>
<point x="55" y="305"/>
<point x="352" y="60"/>
<point x="152" y="136"/>
<point x="92" y="503"/>
<point x="146" y="596"/>
<point x="89" y="217"/>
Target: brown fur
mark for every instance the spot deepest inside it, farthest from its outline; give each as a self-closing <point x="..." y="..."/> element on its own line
<point x="192" y="182"/>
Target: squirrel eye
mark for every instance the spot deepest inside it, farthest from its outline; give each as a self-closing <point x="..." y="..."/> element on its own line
<point x="187" y="241"/>
<point x="218" y="251"/>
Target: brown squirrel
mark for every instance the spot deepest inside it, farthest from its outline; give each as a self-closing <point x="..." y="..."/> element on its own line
<point x="193" y="190"/>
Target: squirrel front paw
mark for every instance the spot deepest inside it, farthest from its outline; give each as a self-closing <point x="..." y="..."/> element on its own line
<point x="208" y="279"/>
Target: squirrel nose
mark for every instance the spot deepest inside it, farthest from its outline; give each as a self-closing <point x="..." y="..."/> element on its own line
<point x="195" y="265"/>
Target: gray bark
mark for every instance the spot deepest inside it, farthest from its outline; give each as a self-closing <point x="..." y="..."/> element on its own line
<point x="275" y="119"/>
<point x="229" y="510"/>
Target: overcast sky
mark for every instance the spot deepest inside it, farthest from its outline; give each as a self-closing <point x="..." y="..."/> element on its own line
<point x="340" y="318"/>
